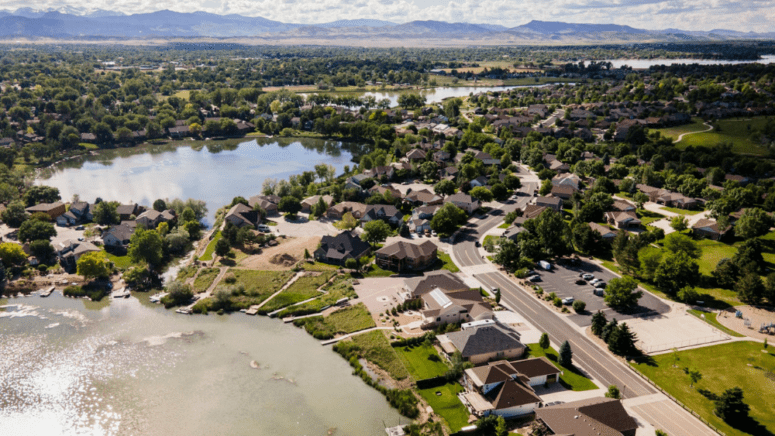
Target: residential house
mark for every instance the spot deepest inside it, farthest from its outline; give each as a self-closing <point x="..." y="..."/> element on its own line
<point x="423" y="197"/>
<point x="242" y="215"/>
<point x="506" y="388"/>
<point x="385" y="190"/>
<point x="624" y="206"/>
<point x="447" y="307"/>
<point x="337" y="249"/>
<point x="51" y="209"/>
<point x="560" y="167"/>
<point x="591" y="417"/>
<point x="425" y="212"/>
<point x="67" y="219"/>
<point x="565" y="192"/>
<point x="71" y="251"/>
<point x="151" y="218"/>
<point x="337" y="211"/>
<point x="416" y="287"/>
<point x="387" y="213"/>
<point x="267" y="202"/>
<point x="416" y="155"/>
<point x="464" y="201"/>
<point x="622" y="220"/>
<point x="512" y="232"/>
<point x="307" y="203"/>
<point x="605" y="232"/>
<point x="530" y="211"/>
<point x="706" y="228"/>
<point x="125" y="211"/>
<point x="419" y="225"/>
<point x="479" y="181"/>
<point x="553" y="203"/>
<point x="119" y="236"/>
<point x="402" y="256"/>
<point x="82" y="211"/>
<point x="482" y="344"/>
<point x="377" y="172"/>
<point x="571" y="180"/>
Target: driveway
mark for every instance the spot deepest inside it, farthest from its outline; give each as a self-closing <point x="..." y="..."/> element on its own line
<point x="562" y="281"/>
<point x="303" y="227"/>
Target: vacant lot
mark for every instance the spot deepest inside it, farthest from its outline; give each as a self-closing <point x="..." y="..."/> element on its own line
<point x="293" y="246"/>
<point x="302" y="289"/>
<point x="376" y="349"/>
<point x="722" y="367"/>
<point x="259" y="284"/>
<point x="422" y="361"/>
<point x="205" y="279"/>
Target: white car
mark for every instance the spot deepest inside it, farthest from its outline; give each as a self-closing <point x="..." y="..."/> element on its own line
<point x="595" y="281"/>
<point x="433" y="233"/>
<point x="587" y="277"/>
<point x="567" y="301"/>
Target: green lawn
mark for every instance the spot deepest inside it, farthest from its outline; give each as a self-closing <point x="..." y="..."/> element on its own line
<point x="447" y="263"/>
<point x="571" y="378"/>
<point x="712" y="253"/>
<point x="205" y="278"/>
<point x="374" y="270"/>
<point x="121" y="262"/>
<point x="647" y="217"/>
<point x="302" y="289"/>
<point x="447" y="405"/>
<point x="422" y="361"/>
<point x="376" y="349"/>
<point x="673" y="132"/>
<point x="504" y="226"/>
<point x="740" y="364"/>
<point x="258" y="285"/>
<point x="318" y="266"/>
<point x="734" y="130"/>
<point x="350" y="319"/>
<point x="710" y="318"/>
<point x="208" y="254"/>
<point x="341" y="287"/>
<point x="681" y="211"/>
<point x="88" y="146"/>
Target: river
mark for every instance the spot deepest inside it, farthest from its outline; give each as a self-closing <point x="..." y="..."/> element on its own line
<point x="643" y="64"/>
<point x="127" y="367"/>
<point x="214" y="172"/>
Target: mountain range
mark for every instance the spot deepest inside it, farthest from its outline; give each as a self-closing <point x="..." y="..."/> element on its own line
<point x="69" y="22"/>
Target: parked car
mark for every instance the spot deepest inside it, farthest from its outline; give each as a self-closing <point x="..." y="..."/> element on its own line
<point x="434" y="234"/>
<point x="587" y="277"/>
<point x="599" y="291"/>
<point x="568" y="301"/>
<point x="581" y="282"/>
<point x="600" y="284"/>
<point x="535" y="278"/>
<point x="595" y="281"/>
<point x="80" y="228"/>
<point x="263" y="228"/>
<point x="545" y="265"/>
<point x="529" y="272"/>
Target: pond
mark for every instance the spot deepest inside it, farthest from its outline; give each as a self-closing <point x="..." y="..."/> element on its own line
<point x="214" y="172"/>
<point x="128" y="367"/>
<point x="643" y="64"/>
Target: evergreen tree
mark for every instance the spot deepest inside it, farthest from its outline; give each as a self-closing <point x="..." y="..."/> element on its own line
<point x="565" y="355"/>
<point x="598" y="323"/>
<point x="544" y="341"/>
<point x="621" y="341"/>
<point x="608" y="329"/>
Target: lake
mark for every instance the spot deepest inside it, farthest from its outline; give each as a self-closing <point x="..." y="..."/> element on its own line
<point x="436" y="95"/>
<point x="128" y="367"/>
<point x="214" y="172"/>
<point x="643" y="64"/>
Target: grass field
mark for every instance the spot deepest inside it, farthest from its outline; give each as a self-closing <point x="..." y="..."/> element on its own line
<point x="205" y="279"/>
<point x="722" y="367"/>
<point x="341" y="287"/>
<point x="647" y="217"/>
<point x="710" y="318"/>
<point x="681" y="211"/>
<point x="121" y="262"/>
<point x="734" y="130"/>
<point x="712" y="253"/>
<point x="376" y="349"/>
<point x="571" y="378"/>
<point x="258" y="284"/>
<point x="350" y="319"/>
<point x="375" y="271"/>
<point x="674" y="132"/>
<point x="447" y="263"/>
<point x="302" y="289"/>
<point x="447" y="405"/>
<point x="88" y="145"/>
<point x="422" y="361"/>
<point x="208" y="254"/>
<point x="504" y="226"/>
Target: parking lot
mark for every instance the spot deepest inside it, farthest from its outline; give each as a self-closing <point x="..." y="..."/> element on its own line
<point x="562" y="281"/>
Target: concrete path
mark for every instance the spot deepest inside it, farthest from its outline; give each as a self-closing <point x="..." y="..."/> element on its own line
<point x="209" y="291"/>
<point x="285" y="286"/>
<point x="681" y="136"/>
<point x="335" y="340"/>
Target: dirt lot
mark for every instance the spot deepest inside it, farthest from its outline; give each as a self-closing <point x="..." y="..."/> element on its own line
<point x="757" y="315"/>
<point x="292" y="246"/>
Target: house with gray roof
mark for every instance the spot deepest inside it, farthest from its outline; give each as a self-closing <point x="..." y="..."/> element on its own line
<point x="242" y="215"/>
<point x="482" y="344"/>
<point x="591" y="417"/>
<point x="118" y="236"/>
<point x="337" y="249"/>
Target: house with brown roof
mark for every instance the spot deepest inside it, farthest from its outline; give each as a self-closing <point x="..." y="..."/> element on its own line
<point x="564" y="192"/>
<point x="553" y="203"/>
<point x="423" y="197"/>
<point x="402" y="256"/>
<point x="51" y="209"/>
<point x="307" y="203"/>
<point x="622" y="220"/>
<point x="566" y="180"/>
<point x="267" y="202"/>
<point x="624" y="206"/>
<point x="337" y="211"/>
<point x="464" y="201"/>
<point x="415" y="287"/>
<point x="605" y="232"/>
<point x="706" y="228"/>
<point x="151" y="218"/>
<point x="416" y="155"/>
<point x="119" y="236"/>
<point x="337" y="249"/>
<point x="242" y="215"/>
<point x="484" y="343"/>
<point x="384" y="212"/>
<point x="591" y="417"/>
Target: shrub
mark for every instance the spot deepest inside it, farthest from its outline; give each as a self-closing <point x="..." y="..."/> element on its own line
<point x="557" y="302"/>
<point x="74" y="291"/>
<point x="579" y="306"/>
<point x="539" y="292"/>
<point x="230" y="278"/>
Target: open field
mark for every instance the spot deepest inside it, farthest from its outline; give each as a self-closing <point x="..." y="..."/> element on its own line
<point x="734" y="130"/>
<point x="348" y="320"/>
<point x="571" y="378"/>
<point x="376" y="349"/>
<point x="722" y="367"/>
<point x="341" y="287"/>
<point x="697" y="125"/>
<point x="292" y="246"/>
<point x="205" y="279"/>
<point x="302" y="289"/>
<point x="259" y="284"/>
<point x="422" y="361"/>
<point x="447" y="405"/>
<point x="712" y="253"/>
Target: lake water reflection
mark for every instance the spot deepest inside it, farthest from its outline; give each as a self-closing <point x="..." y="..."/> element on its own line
<point x="213" y="172"/>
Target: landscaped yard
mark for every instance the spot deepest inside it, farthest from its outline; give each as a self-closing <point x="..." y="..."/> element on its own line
<point x="341" y="287"/>
<point x="571" y="378"/>
<point x="121" y="262"/>
<point x="712" y="253"/>
<point x="376" y="349"/>
<point x="374" y="270"/>
<point x="302" y="289"/>
<point x="422" y="361"/>
<point x="208" y="254"/>
<point x="647" y="217"/>
<point x="681" y="211"/>
<point x="446" y="263"/>
<point x="447" y="405"/>
<point x="205" y="279"/>
<point x="740" y="364"/>
<point x="734" y="130"/>
<point x="710" y="318"/>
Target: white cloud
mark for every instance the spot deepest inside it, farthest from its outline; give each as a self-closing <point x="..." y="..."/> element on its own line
<point x="741" y="15"/>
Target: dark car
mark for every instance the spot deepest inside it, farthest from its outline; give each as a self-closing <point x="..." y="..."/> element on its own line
<point x="478" y="244"/>
<point x="581" y="282"/>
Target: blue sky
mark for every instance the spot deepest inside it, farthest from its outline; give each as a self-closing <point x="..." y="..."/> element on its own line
<point x="742" y="15"/>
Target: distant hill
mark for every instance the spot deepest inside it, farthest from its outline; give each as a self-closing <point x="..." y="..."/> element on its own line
<point x="73" y="22"/>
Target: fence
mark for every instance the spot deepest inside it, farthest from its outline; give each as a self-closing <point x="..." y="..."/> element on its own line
<point x="686" y="343"/>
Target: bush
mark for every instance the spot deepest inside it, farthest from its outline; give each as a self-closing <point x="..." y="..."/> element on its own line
<point x="579" y="306"/>
<point x="557" y="302"/>
<point x="74" y="291"/>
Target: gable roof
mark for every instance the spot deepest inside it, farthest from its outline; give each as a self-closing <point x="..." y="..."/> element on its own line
<point x="244" y="213"/>
<point x="603" y="230"/>
<point x="592" y="417"/>
<point x="343" y="245"/>
<point x="512" y="394"/>
<point x="460" y="198"/>
<point x="403" y="250"/>
<point x="443" y="280"/>
<point x="484" y="340"/>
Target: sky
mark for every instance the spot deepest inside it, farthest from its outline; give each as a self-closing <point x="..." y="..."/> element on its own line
<point x="741" y="15"/>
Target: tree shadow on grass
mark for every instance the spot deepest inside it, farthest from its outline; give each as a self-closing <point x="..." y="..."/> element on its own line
<point x="749" y="425"/>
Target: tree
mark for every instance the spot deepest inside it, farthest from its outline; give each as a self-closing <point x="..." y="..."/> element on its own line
<point x="375" y="231"/>
<point x="694" y="376"/>
<point x="348" y="222"/>
<point x="640" y="199"/>
<point x="769" y="288"/>
<point x="12" y="254"/>
<point x="749" y="256"/>
<point x="159" y="205"/>
<point x="620" y="294"/>
<point x="598" y="323"/>
<point x="179" y="293"/>
<point x="730" y="406"/>
<point x="554" y="235"/>
<point x="448" y="219"/>
<point x="613" y="392"/>
<point x="136" y="276"/>
<point x="481" y="193"/>
<point x="352" y="264"/>
<point x="163" y="228"/>
<point x="106" y="213"/>
<point x="41" y="194"/>
<point x="444" y="187"/>
<point x="659" y="433"/>
<point x="146" y="246"/>
<point x="688" y="295"/>
<point x="14" y="215"/>
<point x="679" y="223"/>
<point x="491" y="425"/>
<point x="753" y="223"/>
<point x="544" y="341"/>
<point x="726" y="273"/>
<point x="546" y="187"/>
<point x="411" y="100"/>
<point x="222" y="247"/>
<point x="93" y="265"/>
<point x="579" y="306"/>
<point x="187" y="215"/>
<point x="289" y="205"/>
<point x="677" y="243"/>
<point x="508" y="254"/>
<point x="609" y="328"/>
<point x="43" y="250"/>
<point x="565" y="357"/>
<point x="429" y="170"/>
<point x="676" y="271"/>
<point x="750" y="288"/>
<point x="33" y="230"/>
<point x="622" y="340"/>
<point x="585" y="239"/>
